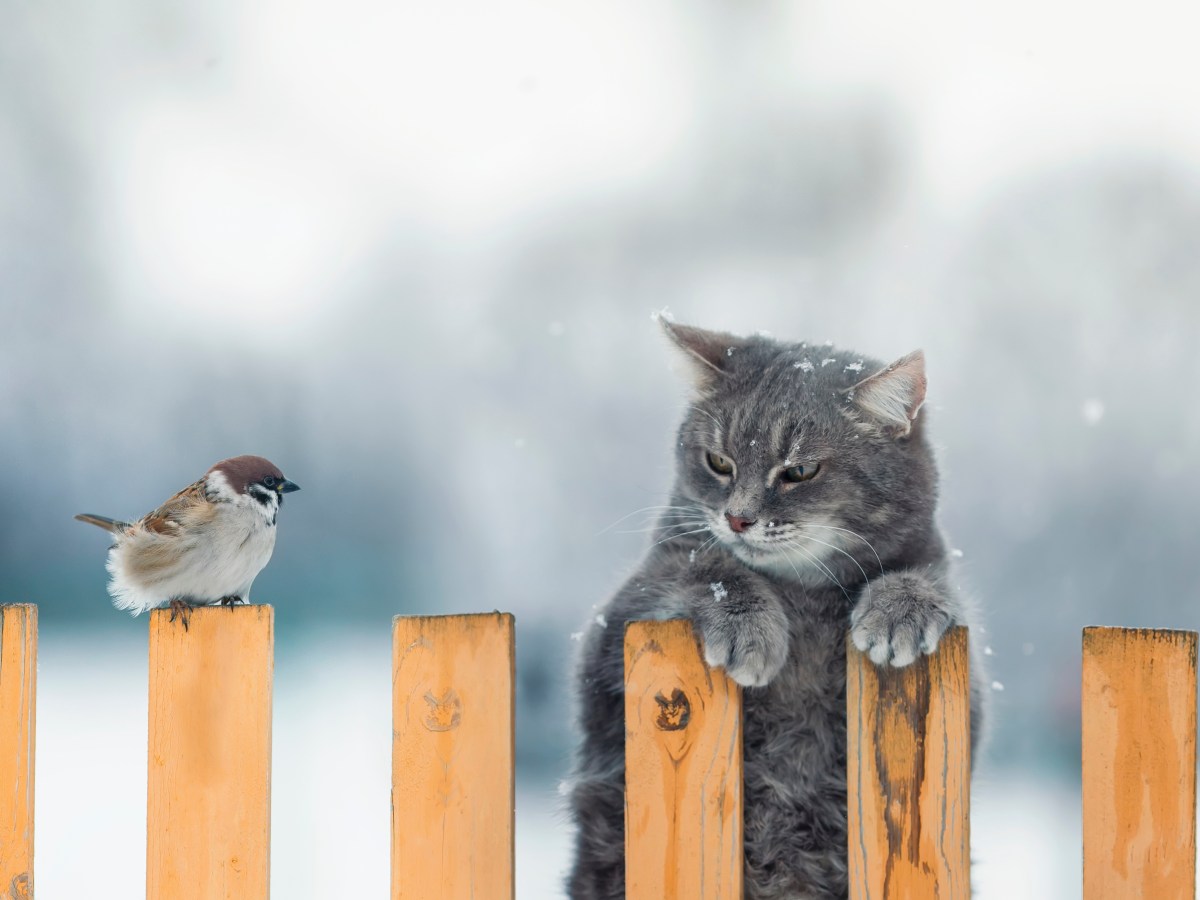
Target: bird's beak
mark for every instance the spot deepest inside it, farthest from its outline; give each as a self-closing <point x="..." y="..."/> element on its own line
<point x="286" y="487"/>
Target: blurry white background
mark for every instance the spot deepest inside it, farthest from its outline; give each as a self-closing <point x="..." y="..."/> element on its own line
<point x="411" y="253"/>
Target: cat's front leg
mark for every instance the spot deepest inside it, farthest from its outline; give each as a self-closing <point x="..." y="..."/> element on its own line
<point x="743" y="627"/>
<point x="901" y="615"/>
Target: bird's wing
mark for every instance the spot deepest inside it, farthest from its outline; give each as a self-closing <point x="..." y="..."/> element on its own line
<point x="190" y="503"/>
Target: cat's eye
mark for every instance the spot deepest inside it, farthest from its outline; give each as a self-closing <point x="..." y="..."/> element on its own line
<point x="795" y="474"/>
<point x="722" y="465"/>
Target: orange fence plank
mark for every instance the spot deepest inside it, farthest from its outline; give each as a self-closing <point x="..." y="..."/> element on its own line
<point x="908" y="775"/>
<point x="683" y="769"/>
<point x="18" y="693"/>
<point x="452" y="757"/>
<point x="1139" y="764"/>
<point x="209" y="792"/>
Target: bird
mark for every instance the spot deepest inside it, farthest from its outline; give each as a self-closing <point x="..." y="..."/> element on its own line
<point x="204" y="546"/>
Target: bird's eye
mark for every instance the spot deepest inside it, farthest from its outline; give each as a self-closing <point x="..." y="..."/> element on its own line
<point x="722" y="465"/>
<point x="796" y="474"/>
<point x="269" y="481"/>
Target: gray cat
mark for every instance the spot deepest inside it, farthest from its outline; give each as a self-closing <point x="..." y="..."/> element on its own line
<point x="803" y="507"/>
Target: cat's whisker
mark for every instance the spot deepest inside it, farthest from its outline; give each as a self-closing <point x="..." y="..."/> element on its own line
<point x="707" y="545"/>
<point x="795" y="545"/>
<point x="663" y="527"/>
<point x="793" y="565"/>
<point x="866" y="581"/>
<point x="672" y="537"/>
<point x="645" y="509"/>
<point x="853" y="534"/>
<point x="674" y="517"/>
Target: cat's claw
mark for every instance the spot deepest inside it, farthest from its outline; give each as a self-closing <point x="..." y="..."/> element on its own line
<point x="898" y="620"/>
<point x="750" y="646"/>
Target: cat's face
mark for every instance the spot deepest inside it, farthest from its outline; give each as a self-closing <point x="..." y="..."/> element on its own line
<point x="803" y="460"/>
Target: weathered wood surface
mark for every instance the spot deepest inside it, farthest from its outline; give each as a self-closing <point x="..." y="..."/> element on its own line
<point x="18" y="694"/>
<point x="683" y="769"/>
<point x="908" y="775"/>
<point x="209" y="791"/>
<point x="452" y="757"/>
<point x="1139" y="764"/>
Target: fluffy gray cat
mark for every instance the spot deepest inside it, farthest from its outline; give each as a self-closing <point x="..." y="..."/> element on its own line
<point x="803" y="507"/>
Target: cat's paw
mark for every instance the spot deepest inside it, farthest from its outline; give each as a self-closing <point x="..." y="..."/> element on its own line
<point x="899" y="618"/>
<point x="750" y="644"/>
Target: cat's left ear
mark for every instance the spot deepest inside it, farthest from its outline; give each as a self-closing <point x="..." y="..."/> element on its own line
<point x="893" y="396"/>
<point x="706" y="352"/>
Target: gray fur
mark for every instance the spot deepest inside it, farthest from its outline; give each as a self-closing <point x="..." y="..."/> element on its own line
<point x="855" y="549"/>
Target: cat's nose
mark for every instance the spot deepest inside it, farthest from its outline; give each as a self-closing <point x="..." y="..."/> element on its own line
<point x="738" y="523"/>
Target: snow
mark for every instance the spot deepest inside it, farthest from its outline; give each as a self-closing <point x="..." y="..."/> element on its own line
<point x="855" y="366"/>
<point x="956" y="553"/>
<point x="601" y="621"/>
<point x="729" y="351"/>
<point x="997" y="686"/>
<point x="828" y="362"/>
<point x="718" y="591"/>
<point x="577" y="635"/>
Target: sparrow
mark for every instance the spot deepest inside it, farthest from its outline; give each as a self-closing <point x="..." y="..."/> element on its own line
<point x="204" y="546"/>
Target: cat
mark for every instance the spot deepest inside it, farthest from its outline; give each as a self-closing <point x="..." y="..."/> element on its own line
<point x="803" y="509"/>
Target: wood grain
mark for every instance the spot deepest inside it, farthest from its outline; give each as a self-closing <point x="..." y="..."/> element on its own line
<point x="452" y="757"/>
<point x="209" y="792"/>
<point x="1139" y="764"/>
<point x="908" y="775"/>
<point x="18" y="695"/>
<point x="683" y="769"/>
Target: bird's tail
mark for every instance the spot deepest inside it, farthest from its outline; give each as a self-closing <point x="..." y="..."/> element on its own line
<point x="103" y="522"/>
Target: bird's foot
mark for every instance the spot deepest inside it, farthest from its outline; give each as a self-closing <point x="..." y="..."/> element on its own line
<point x="181" y="609"/>
<point x="231" y="601"/>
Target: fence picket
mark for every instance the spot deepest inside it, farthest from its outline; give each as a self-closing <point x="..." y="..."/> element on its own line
<point x="908" y="775"/>
<point x="452" y="757"/>
<point x="209" y="791"/>
<point x="1139" y="763"/>
<point x="683" y="769"/>
<point x="18" y="694"/>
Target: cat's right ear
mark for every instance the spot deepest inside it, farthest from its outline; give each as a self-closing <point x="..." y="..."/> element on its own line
<point x="893" y="396"/>
<point x="706" y="353"/>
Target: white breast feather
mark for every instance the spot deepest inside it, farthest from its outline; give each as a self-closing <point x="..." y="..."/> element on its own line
<point x="219" y="559"/>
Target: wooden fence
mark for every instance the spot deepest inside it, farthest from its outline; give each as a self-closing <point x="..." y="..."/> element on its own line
<point x="208" y="804"/>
